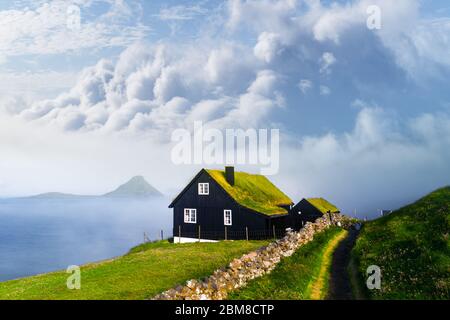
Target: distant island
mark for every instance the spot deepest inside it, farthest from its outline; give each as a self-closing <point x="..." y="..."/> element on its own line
<point x="137" y="187"/>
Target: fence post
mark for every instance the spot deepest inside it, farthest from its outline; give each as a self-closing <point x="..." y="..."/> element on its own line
<point x="246" y="233"/>
<point x="199" y="233"/>
<point x="162" y="235"/>
<point x="179" y="234"/>
<point x="274" y="234"/>
<point x="226" y="238"/>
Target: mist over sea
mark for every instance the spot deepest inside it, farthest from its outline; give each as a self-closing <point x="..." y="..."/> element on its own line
<point x="43" y="235"/>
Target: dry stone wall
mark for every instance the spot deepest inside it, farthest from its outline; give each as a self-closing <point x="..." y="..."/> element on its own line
<point x="251" y="265"/>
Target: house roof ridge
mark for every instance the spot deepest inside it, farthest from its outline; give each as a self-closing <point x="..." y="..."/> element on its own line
<point x="253" y="191"/>
<point x="322" y="204"/>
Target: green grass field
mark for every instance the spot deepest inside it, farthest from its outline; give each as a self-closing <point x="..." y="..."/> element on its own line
<point x="146" y="271"/>
<point x="298" y="277"/>
<point x="412" y="248"/>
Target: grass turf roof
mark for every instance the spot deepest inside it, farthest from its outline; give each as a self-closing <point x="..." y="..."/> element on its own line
<point x="253" y="191"/>
<point x="322" y="205"/>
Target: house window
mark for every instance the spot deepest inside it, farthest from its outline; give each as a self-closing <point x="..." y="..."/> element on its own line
<point x="227" y="217"/>
<point x="190" y="215"/>
<point x="203" y="188"/>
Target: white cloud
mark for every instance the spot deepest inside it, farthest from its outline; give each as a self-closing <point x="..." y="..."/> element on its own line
<point x="326" y="61"/>
<point x="305" y="85"/>
<point x="269" y="46"/>
<point x="330" y="23"/>
<point x="38" y="159"/>
<point x="181" y="12"/>
<point x="121" y="118"/>
<point x="255" y="105"/>
<point x="209" y="74"/>
<point x="379" y="164"/>
<point x="324" y="90"/>
<point x="422" y="50"/>
<point x="32" y="86"/>
<point x="176" y="15"/>
<point x="42" y="28"/>
<point x="159" y="88"/>
<point x="10" y="104"/>
<point x="420" y="45"/>
<point x="208" y="110"/>
<point x="70" y="119"/>
<point x="264" y="15"/>
<point x="228" y="65"/>
<point x="205" y="74"/>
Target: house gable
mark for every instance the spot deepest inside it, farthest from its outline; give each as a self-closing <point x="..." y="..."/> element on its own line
<point x="304" y="208"/>
<point x="217" y="197"/>
<point x="193" y="180"/>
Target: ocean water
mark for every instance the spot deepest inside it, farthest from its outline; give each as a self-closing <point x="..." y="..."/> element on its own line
<point x="38" y="235"/>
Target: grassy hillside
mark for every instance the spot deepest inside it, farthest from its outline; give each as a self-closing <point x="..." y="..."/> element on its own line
<point x="412" y="248"/>
<point x="147" y="270"/>
<point x="304" y="275"/>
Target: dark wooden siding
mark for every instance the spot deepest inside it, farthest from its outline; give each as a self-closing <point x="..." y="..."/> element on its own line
<point x="210" y="213"/>
<point x="309" y="213"/>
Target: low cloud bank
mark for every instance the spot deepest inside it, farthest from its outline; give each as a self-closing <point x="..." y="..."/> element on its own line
<point x="383" y="163"/>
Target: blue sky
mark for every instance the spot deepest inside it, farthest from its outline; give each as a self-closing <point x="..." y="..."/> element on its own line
<point x="347" y="99"/>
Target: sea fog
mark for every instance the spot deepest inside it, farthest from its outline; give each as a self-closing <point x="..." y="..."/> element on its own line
<point x="42" y="235"/>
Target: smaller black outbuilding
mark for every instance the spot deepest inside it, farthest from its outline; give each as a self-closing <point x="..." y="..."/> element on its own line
<point x="308" y="210"/>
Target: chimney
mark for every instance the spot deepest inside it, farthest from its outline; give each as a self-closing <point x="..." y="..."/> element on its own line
<point x="229" y="175"/>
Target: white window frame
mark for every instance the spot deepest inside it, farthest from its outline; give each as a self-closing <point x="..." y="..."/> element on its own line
<point x="203" y="188"/>
<point x="190" y="215"/>
<point x="225" y="220"/>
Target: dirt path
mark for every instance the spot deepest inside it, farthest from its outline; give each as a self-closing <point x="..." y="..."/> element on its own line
<point x="318" y="288"/>
<point x="339" y="285"/>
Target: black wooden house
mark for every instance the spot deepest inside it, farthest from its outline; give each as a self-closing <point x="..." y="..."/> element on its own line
<point x="229" y="205"/>
<point x="308" y="210"/>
